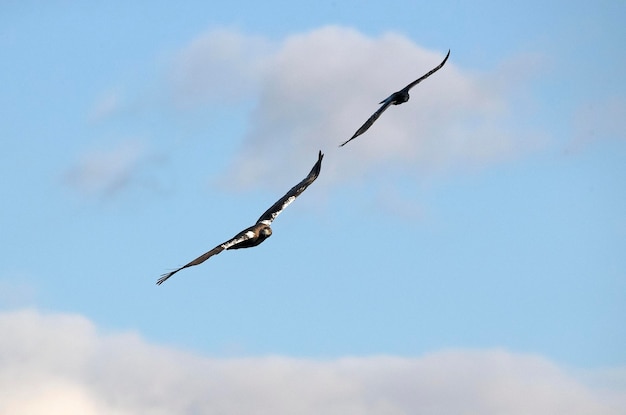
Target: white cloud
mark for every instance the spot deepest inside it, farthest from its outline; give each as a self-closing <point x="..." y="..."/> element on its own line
<point x="60" y="363"/>
<point x="106" y="171"/>
<point x="315" y="89"/>
<point x="222" y="64"/>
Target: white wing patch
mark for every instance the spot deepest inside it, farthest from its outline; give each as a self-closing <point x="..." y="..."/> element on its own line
<point x="235" y="241"/>
<point x="287" y="203"/>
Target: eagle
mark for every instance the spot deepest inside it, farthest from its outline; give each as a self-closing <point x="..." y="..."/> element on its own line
<point x="397" y="98"/>
<point x="261" y="230"/>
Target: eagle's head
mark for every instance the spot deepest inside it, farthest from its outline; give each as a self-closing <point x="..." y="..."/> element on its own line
<point x="266" y="232"/>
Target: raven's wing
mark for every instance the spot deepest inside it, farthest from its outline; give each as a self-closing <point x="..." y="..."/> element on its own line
<point x="369" y="121"/>
<point x="429" y="73"/>
<point x="239" y="238"/>
<point x="271" y="213"/>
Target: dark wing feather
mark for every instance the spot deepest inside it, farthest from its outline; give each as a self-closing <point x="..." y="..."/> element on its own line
<point x="239" y="238"/>
<point x="429" y="73"/>
<point x="369" y="121"/>
<point x="271" y="213"/>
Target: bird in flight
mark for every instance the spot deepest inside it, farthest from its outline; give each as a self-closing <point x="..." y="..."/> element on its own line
<point x="396" y="98"/>
<point x="261" y="230"/>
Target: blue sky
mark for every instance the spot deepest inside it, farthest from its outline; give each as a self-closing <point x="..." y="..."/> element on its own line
<point x="485" y="219"/>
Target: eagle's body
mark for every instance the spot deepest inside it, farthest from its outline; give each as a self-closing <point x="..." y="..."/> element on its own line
<point x="257" y="234"/>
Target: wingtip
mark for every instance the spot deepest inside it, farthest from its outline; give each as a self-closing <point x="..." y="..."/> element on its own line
<point x="164" y="277"/>
<point x="446" y="58"/>
<point x="318" y="164"/>
<point x="351" y="138"/>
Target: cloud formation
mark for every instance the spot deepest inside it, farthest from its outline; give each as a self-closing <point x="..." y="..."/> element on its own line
<point x="61" y="363"/>
<point x="314" y="89"/>
<point x="221" y="65"/>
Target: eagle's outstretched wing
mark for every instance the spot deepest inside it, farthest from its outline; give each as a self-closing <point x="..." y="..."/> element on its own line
<point x="239" y="238"/>
<point x="270" y="214"/>
<point x="429" y="73"/>
<point x="369" y="121"/>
